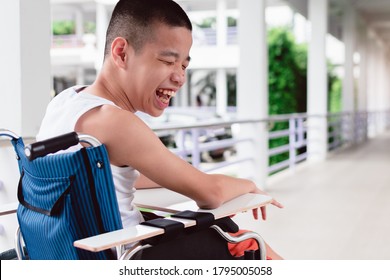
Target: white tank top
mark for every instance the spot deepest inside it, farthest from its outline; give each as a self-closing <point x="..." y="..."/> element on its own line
<point x="61" y="117"/>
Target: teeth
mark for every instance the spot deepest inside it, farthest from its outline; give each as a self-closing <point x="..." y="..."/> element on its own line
<point x="164" y="100"/>
<point x="167" y="92"/>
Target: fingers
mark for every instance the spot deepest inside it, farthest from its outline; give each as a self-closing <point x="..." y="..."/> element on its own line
<point x="277" y="203"/>
<point x="273" y="202"/>
<point x="264" y="210"/>
<point x="263" y="213"/>
<point x="255" y="213"/>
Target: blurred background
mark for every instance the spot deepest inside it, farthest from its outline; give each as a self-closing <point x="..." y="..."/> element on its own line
<point x="292" y="94"/>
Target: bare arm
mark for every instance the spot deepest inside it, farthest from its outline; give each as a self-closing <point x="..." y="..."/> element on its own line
<point x="131" y="143"/>
<point x="144" y="182"/>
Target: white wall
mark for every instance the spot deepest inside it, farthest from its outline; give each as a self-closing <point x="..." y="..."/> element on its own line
<point x="25" y="84"/>
<point x="25" y="80"/>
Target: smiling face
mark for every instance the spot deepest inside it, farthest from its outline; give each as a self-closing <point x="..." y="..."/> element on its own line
<point x="155" y="73"/>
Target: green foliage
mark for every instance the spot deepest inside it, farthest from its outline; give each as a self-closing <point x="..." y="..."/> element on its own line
<point x="232" y="89"/>
<point x="90" y="27"/>
<point x="232" y="21"/>
<point x="68" y="27"/>
<point x="208" y="22"/>
<point x="211" y="21"/>
<point x="63" y="27"/>
<point x="286" y="81"/>
<point x="287" y="78"/>
<point x="335" y="91"/>
<point x="287" y="72"/>
<point x="334" y="98"/>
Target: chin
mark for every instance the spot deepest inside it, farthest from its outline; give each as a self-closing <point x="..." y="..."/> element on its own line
<point x="155" y="113"/>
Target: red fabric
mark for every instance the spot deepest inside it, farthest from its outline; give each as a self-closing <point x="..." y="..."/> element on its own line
<point x="238" y="249"/>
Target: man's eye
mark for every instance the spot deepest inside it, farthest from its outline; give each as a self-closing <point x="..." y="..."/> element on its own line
<point x="168" y="62"/>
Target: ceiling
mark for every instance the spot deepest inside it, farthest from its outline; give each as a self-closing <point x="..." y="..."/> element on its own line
<point x="377" y="15"/>
<point x="374" y="14"/>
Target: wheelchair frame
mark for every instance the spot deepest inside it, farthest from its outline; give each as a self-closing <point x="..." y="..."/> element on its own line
<point x="120" y="238"/>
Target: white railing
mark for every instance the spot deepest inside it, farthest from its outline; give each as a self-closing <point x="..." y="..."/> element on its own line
<point x="295" y="135"/>
<point x="67" y="41"/>
<point x="208" y="36"/>
<point x="343" y="129"/>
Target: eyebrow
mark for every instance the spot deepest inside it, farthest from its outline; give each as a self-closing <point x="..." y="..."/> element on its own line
<point x="174" y="54"/>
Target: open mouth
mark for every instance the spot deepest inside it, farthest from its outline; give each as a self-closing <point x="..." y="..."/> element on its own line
<point x="164" y="95"/>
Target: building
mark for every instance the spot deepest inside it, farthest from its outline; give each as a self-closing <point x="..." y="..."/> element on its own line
<point x="28" y="62"/>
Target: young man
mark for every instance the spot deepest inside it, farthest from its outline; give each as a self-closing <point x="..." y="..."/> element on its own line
<point x="146" y="56"/>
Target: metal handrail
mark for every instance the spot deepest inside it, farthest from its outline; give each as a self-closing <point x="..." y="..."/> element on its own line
<point x="343" y="128"/>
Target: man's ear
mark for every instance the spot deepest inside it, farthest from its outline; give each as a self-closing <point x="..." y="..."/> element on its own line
<point x="120" y="51"/>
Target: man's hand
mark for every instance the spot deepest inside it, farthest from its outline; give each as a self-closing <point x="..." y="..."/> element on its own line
<point x="263" y="208"/>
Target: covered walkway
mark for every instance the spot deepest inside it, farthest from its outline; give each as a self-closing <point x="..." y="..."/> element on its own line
<point x="336" y="209"/>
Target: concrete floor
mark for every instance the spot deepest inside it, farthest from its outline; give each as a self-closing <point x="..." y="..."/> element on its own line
<point x="334" y="210"/>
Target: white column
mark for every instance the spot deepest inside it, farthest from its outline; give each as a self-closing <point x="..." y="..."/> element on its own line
<point x="25" y="80"/>
<point x="372" y="81"/>
<point x="383" y="78"/>
<point x="80" y="75"/>
<point x="184" y="95"/>
<point x="79" y="19"/>
<point x="222" y="90"/>
<point x="317" y="92"/>
<point x="362" y="91"/>
<point x="221" y="23"/>
<point x="252" y="87"/>
<point x="387" y="82"/>
<point x="362" y="86"/>
<point x="182" y="99"/>
<point x="348" y="90"/>
<point x="102" y="21"/>
<point x="221" y="80"/>
<point x="349" y="38"/>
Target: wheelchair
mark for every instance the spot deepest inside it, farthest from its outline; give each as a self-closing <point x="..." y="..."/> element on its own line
<point x="68" y="210"/>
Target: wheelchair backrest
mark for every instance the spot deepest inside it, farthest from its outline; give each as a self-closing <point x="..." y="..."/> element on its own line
<point x="65" y="197"/>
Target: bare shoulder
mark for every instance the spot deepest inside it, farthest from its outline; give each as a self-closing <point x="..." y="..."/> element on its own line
<point x="109" y="121"/>
<point x="124" y="133"/>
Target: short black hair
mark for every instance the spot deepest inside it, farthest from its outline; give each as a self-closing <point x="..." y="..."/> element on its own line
<point x="134" y="21"/>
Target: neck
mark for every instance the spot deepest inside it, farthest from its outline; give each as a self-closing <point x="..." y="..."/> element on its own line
<point x="108" y="88"/>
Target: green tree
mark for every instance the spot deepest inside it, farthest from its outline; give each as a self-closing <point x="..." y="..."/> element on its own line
<point x="208" y="22"/>
<point x="63" y="27"/>
<point x="287" y="73"/>
<point x="335" y="90"/>
<point x="286" y="82"/>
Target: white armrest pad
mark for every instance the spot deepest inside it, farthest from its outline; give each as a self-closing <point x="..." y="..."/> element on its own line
<point x="140" y="232"/>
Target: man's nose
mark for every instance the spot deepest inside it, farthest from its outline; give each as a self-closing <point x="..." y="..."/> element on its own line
<point x="178" y="76"/>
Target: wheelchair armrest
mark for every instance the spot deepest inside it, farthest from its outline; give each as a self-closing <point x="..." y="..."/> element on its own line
<point x="162" y="199"/>
<point x="124" y="236"/>
<point x="139" y="232"/>
<point x="117" y="239"/>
